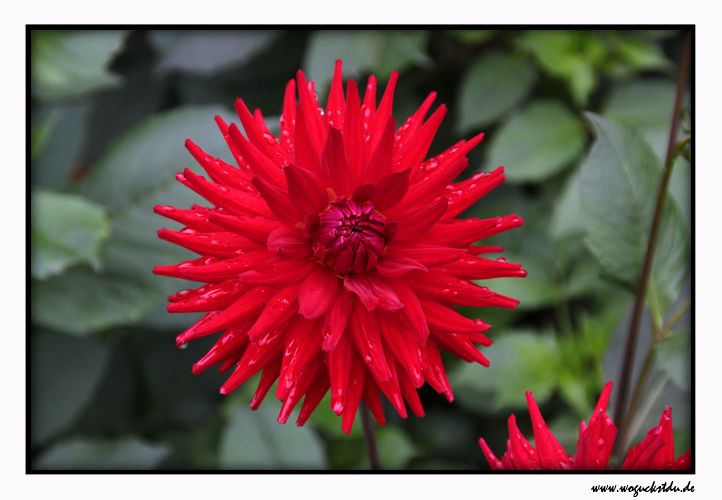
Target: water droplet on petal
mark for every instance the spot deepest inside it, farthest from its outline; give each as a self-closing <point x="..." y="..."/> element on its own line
<point x="183" y="345"/>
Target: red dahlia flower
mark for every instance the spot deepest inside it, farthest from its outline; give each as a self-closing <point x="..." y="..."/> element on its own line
<point x="594" y="446"/>
<point x="332" y="257"/>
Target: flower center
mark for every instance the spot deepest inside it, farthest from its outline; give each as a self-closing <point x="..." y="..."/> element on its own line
<point x="349" y="236"/>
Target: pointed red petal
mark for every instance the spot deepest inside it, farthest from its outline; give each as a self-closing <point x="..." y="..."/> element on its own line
<point x="427" y="255"/>
<point x="594" y="446"/>
<point x="416" y="148"/>
<point x="437" y="377"/>
<point x="246" y="307"/>
<point x="404" y="347"/>
<point x="494" y="462"/>
<point x="395" y="265"/>
<point x="354" y="391"/>
<point x="550" y="452"/>
<point x="379" y="120"/>
<point x="337" y="318"/>
<point x="195" y="219"/>
<point x="443" y="319"/>
<point x="336" y="104"/>
<point x="259" y="137"/>
<point x="289" y="243"/>
<point x="416" y="222"/>
<point x="666" y="454"/>
<point x="352" y="130"/>
<point x="338" y="363"/>
<point x="305" y="156"/>
<point x="313" y="397"/>
<point x="314" y="124"/>
<point x="279" y="202"/>
<point x="414" y="312"/>
<point x="257" y="160"/>
<point x="256" y="356"/>
<point x="365" y="334"/>
<point x="373" y="290"/>
<point x="253" y="228"/>
<point x="268" y="378"/>
<point x="303" y="342"/>
<point x="220" y="171"/>
<point x="409" y="392"/>
<point x="373" y="399"/>
<point x="390" y="190"/>
<point x="380" y="163"/>
<point x="521" y="454"/>
<point x="317" y="293"/>
<point x="306" y="189"/>
<point x="215" y="296"/>
<point x="641" y="457"/>
<point x="334" y="164"/>
<point x="288" y="118"/>
<point x="231" y="345"/>
<point x="311" y="372"/>
<point x="276" y="272"/>
<point x="221" y="245"/>
<point x="235" y="201"/>
<point x="463" y="194"/>
<point x="278" y="310"/>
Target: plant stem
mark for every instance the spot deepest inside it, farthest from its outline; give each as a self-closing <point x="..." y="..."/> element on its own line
<point x="620" y="413"/>
<point x="674" y="319"/>
<point x="624" y="432"/>
<point x="652" y="396"/>
<point x="372" y="447"/>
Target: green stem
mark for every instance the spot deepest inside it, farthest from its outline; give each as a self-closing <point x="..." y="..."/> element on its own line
<point x="372" y="447"/>
<point x="652" y="397"/>
<point x="620" y="413"/>
<point x="624" y="432"/>
<point x="675" y="319"/>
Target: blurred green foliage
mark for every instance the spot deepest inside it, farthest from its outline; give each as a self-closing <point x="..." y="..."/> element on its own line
<point x="109" y="113"/>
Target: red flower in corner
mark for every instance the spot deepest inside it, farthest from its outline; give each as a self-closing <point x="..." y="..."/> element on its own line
<point x="594" y="446"/>
<point x="332" y="257"/>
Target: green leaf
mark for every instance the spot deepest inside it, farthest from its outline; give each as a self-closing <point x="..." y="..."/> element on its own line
<point x="40" y="135"/>
<point x="520" y="361"/>
<point x="493" y="85"/>
<point x="255" y="440"/>
<point x="207" y="52"/>
<point x="70" y="64"/>
<point x="674" y="355"/>
<point x="619" y="186"/>
<point x="569" y="55"/>
<point x="65" y="373"/>
<point x="378" y="52"/>
<point x="647" y="106"/>
<point x="671" y="265"/>
<point x="537" y="143"/>
<point x="395" y="447"/>
<point x="536" y="291"/>
<point x="136" y="174"/>
<point x="472" y="37"/>
<point x="61" y="155"/>
<point x="566" y="219"/>
<point x="90" y="454"/>
<point x="148" y="156"/>
<point x="642" y="55"/>
<point x="66" y="230"/>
